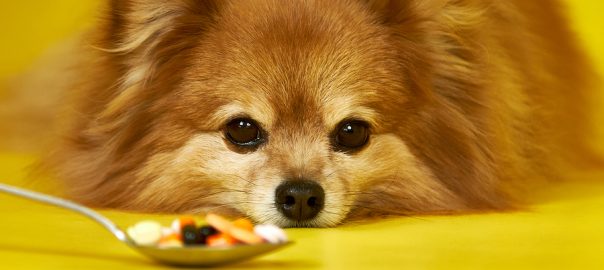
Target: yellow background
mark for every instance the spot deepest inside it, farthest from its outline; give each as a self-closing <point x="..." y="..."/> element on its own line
<point x="563" y="230"/>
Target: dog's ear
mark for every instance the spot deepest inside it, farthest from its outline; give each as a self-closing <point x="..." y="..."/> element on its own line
<point x="141" y="37"/>
<point x="411" y="23"/>
<point x="136" y="23"/>
<point x="433" y="31"/>
<point x="140" y="34"/>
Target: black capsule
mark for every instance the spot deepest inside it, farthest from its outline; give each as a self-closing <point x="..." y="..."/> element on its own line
<point x="190" y="235"/>
<point x="205" y="232"/>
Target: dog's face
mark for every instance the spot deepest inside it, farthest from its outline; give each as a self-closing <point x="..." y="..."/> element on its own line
<point x="297" y="114"/>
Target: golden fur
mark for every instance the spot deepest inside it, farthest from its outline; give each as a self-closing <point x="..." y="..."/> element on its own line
<point x="466" y="100"/>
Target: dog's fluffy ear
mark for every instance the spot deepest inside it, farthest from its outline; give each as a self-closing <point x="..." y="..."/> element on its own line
<point x="136" y="23"/>
<point x="411" y="22"/>
<point x="135" y="58"/>
<point x="436" y="31"/>
<point x="143" y="36"/>
<point x="138" y="29"/>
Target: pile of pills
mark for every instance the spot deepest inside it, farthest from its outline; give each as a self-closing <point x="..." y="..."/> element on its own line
<point x="217" y="232"/>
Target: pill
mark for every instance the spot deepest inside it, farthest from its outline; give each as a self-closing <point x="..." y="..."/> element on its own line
<point x="245" y="236"/>
<point x="206" y="231"/>
<point x="218" y="232"/>
<point x="271" y="233"/>
<point x="189" y="235"/>
<point x="166" y="231"/>
<point x="170" y="237"/>
<point x="227" y="227"/>
<point x="186" y="220"/>
<point x="218" y="222"/>
<point x="177" y="224"/>
<point x="244" y="223"/>
<point x="145" y="233"/>
<point x="221" y="240"/>
<point x="172" y="240"/>
<point x="170" y="244"/>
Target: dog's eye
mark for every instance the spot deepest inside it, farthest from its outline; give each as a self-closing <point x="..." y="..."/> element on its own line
<point x="243" y="132"/>
<point x="352" y="134"/>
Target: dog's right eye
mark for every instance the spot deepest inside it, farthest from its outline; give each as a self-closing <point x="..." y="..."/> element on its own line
<point x="351" y="135"/>
<point x="243" y="132"/>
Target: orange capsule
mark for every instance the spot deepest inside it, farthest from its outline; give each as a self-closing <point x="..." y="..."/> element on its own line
<point x="171" y="240"/>
<point x="186" y="220"/>
<point x="179" y="223"/>
<point x="170" y="237"/>
<point x="226" y="227"/>
<point x="221" y="240"/>
<point x="221" y="224"/>
<point x="170" y="244"/>
<point x="244" y="223"/>
<point x="245" y="236"/>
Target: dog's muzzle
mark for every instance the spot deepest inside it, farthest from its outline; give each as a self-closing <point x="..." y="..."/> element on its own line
<point x="299" y="200"/>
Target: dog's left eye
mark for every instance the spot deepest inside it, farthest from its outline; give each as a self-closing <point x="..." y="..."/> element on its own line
<point x="352" y="134"/>
<point x="243" y="132"/>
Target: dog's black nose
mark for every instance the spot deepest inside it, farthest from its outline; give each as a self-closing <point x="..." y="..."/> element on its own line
<point x="299" y="199"/>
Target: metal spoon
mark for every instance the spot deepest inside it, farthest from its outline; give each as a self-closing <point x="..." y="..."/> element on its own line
<point x="188" y="255"/>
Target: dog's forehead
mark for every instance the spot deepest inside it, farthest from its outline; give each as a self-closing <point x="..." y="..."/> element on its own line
<point x="321" y="67"/>
<point x="298" y="107"/>
<point x="319" y="106"/>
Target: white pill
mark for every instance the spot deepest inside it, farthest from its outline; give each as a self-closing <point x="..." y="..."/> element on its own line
<point x="165" y="231"/>
<point x="176" y="226"/>
<point x="145" y="233"/>
<point x="270" y="233"/>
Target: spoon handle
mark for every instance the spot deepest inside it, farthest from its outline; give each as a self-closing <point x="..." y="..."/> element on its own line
<point x="119" y="234"/>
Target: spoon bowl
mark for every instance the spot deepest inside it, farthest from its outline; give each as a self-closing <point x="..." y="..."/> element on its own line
<point x="184" y="256"/>
<point x="206" y="256"/>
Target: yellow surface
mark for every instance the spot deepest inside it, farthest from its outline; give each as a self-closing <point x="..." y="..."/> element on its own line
<point x="564" y="230"/>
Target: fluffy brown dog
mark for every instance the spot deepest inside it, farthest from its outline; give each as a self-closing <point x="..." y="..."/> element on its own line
<point x="305" y="113"/>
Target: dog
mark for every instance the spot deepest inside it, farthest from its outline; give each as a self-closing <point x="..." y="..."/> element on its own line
<point x="313" y="113"/>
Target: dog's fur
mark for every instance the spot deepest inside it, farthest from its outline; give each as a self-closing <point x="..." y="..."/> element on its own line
<point x="466" y="100"/>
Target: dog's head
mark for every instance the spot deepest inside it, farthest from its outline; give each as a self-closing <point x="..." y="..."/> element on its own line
<point x="294" y="113"/>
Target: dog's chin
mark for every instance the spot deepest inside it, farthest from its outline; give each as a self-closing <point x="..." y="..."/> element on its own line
<point x="289" y="223"/>
<point x="323" y="219"/>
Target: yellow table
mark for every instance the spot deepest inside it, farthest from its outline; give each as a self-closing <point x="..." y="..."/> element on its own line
<point x="564" y="230"/>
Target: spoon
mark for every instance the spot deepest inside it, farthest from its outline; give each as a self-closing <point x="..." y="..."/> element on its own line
<point x="186" y="256"/>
